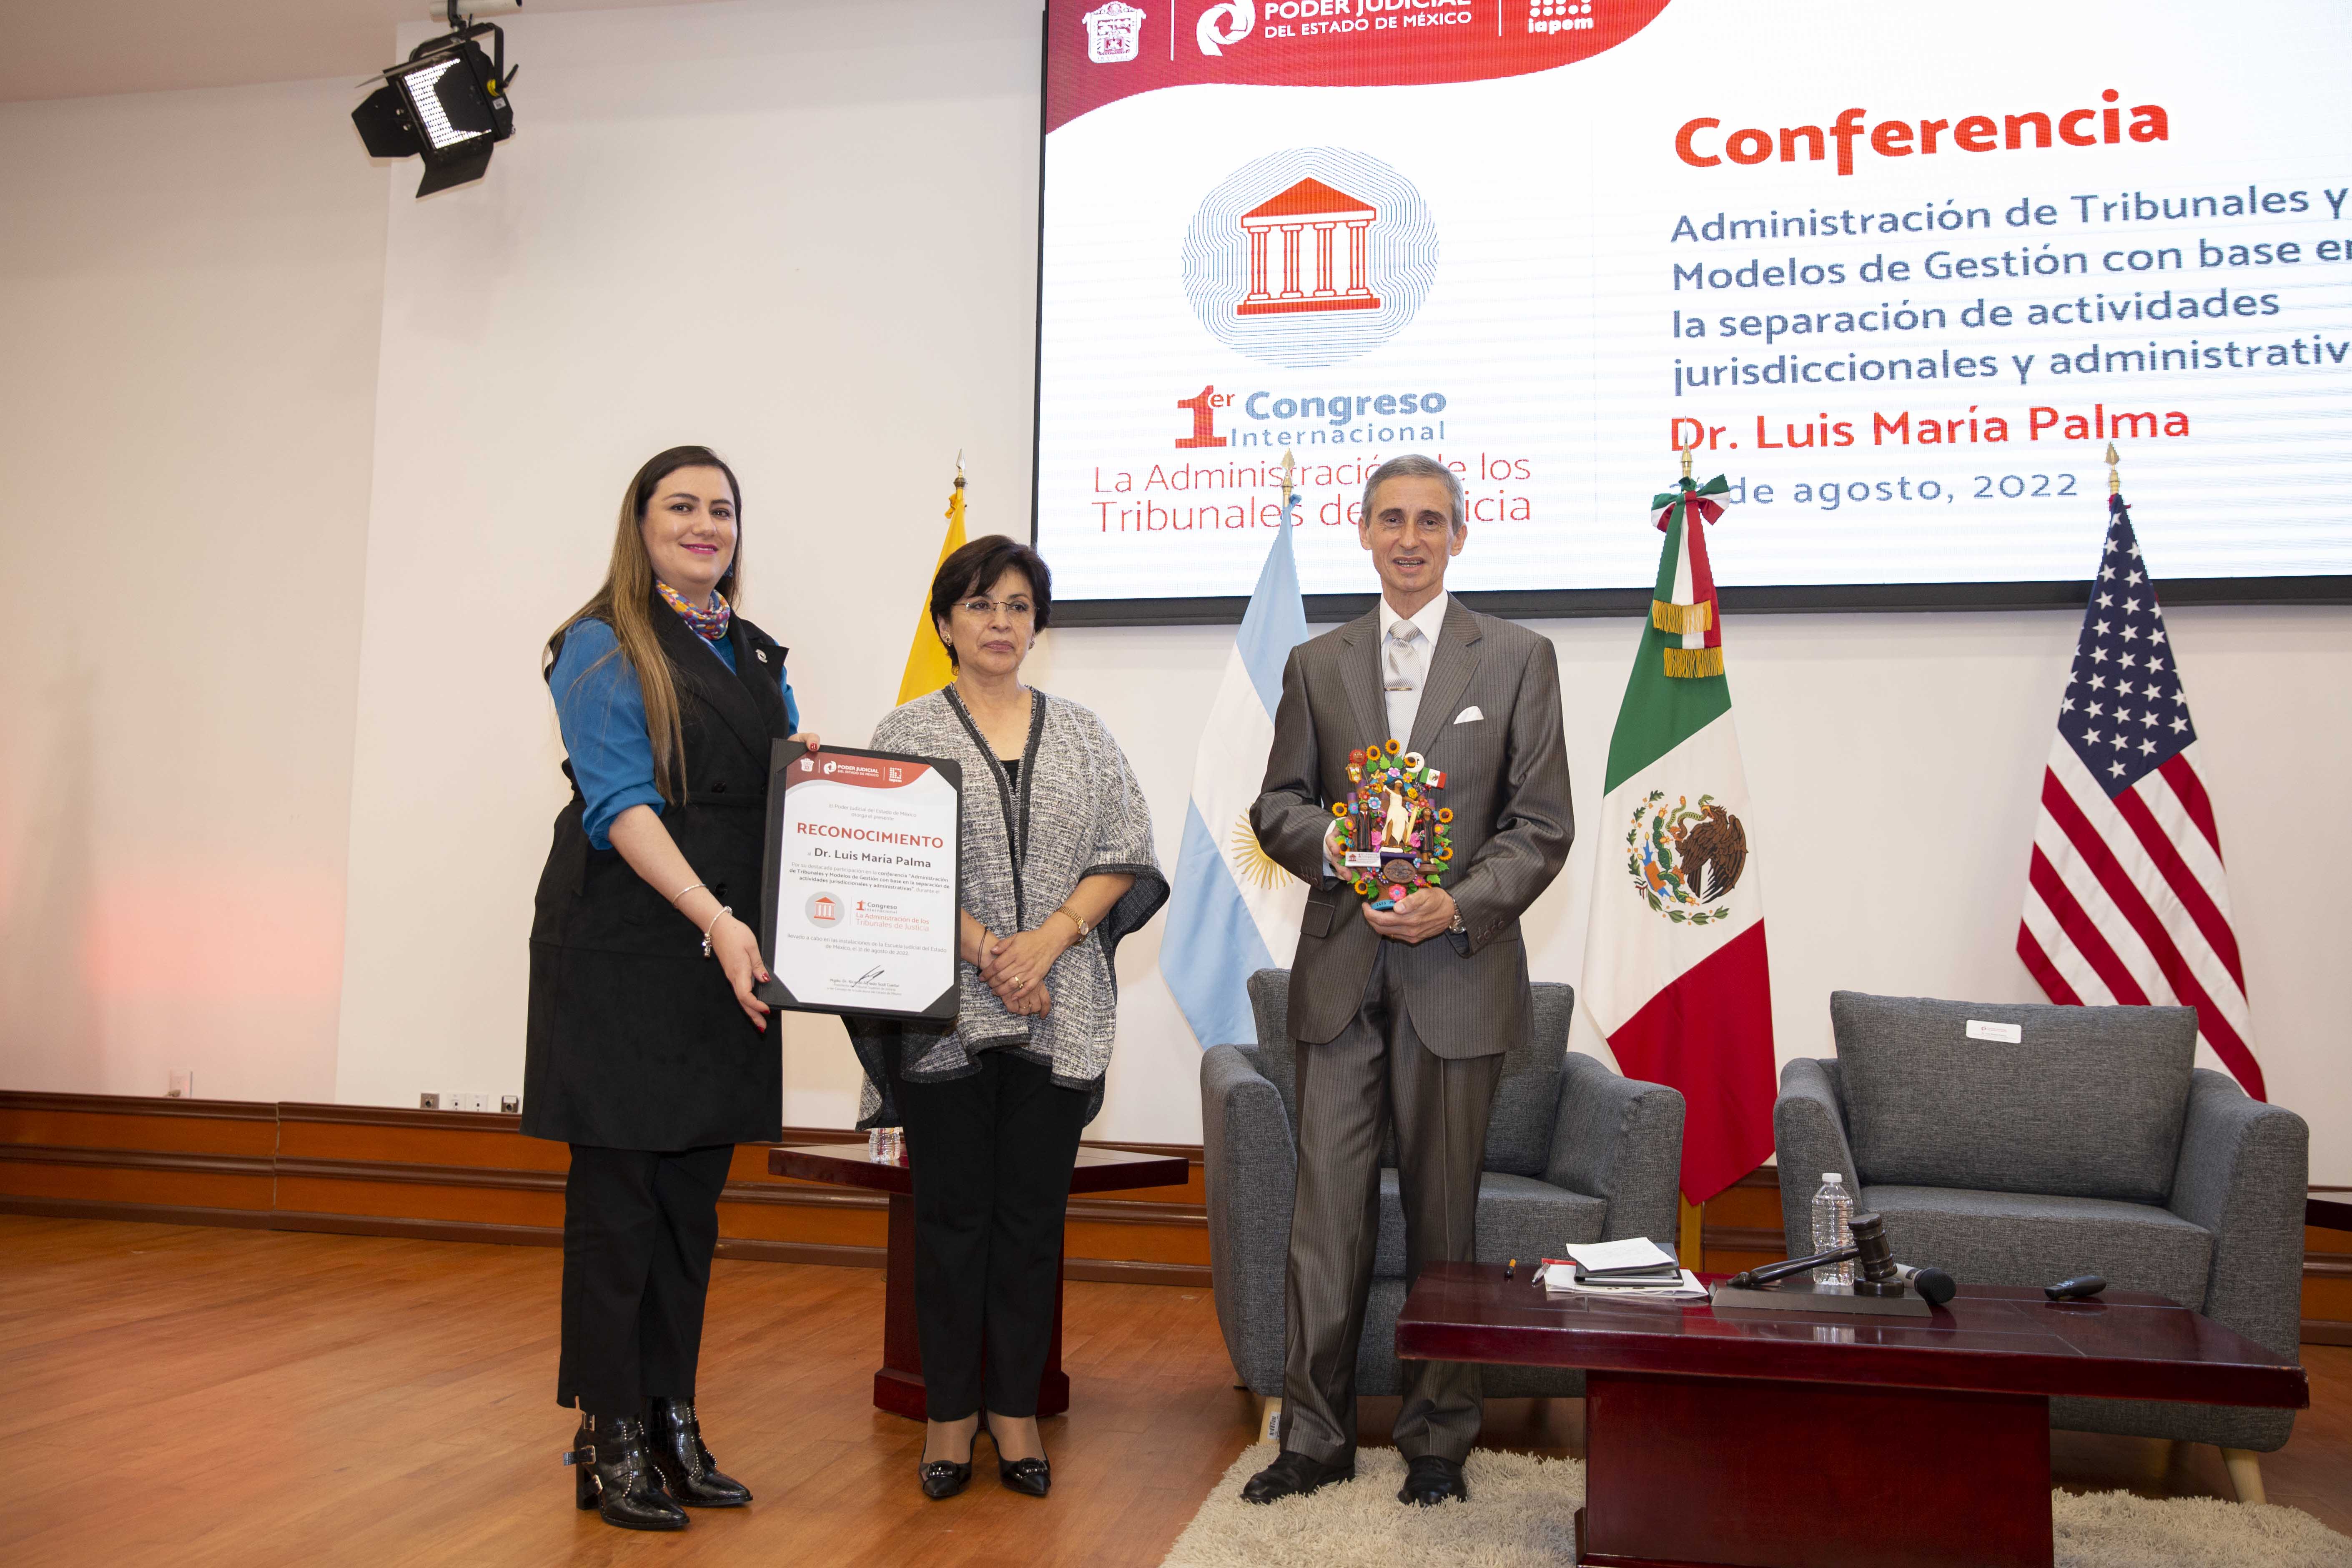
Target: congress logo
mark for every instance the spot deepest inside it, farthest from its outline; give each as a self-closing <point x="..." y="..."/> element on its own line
<point x="1309" y="258"/>
<point x="1684" y="858"/>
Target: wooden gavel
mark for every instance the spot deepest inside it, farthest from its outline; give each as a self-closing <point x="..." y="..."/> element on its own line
<point x="1869" y="1248"/>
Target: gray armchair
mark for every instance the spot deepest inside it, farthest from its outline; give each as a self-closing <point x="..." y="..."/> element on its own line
<point x="1573" y="1153"/>
<point x="2093" y="1146"/>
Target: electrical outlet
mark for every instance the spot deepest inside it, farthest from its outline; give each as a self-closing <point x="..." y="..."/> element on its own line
<point x="511" y="1104"/>
<point x="428" y="1102"/>
<point x="477" y="1102"/>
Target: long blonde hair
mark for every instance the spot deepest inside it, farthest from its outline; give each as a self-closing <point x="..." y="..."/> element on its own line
<point x="624" y="603"/>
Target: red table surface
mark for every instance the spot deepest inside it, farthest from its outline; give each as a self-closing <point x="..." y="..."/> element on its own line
<point x="1991" y="1339"/>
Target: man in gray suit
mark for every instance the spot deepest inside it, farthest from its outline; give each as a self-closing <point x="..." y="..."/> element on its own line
<point x="1403" y="1014"/>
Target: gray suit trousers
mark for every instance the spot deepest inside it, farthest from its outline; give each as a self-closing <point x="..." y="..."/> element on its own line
<point x="1350" y="1088"/>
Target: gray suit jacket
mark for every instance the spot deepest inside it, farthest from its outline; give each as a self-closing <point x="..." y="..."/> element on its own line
<point x="1506" y="779"/>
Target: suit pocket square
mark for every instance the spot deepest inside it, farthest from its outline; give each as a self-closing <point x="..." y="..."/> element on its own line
<point x="1469" y="715"/>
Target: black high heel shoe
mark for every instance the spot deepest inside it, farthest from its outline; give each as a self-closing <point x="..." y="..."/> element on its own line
<point x="942" y="1478"/>
<point x="674" y="1440"/>
<point x="616" y="1476"/>
<point x="1032" y="1478"/>
<point x="945" y="1478"/>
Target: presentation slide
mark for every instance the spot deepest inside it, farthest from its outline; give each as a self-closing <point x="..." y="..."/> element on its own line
<point x="1901" y="274"/>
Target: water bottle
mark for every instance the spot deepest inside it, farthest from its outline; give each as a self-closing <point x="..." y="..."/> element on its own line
<point x="1834" y="1226"/>
<point x="885" y="1145"/>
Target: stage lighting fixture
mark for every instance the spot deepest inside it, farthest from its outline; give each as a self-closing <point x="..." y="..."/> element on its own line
<point x="446" y="104"/>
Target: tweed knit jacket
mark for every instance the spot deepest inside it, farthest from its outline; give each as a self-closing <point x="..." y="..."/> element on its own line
<point x="1076" y="812"/>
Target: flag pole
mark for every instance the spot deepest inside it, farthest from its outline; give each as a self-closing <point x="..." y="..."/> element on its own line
<point x="2114" y="480"/>
<point x="927" y="666"/>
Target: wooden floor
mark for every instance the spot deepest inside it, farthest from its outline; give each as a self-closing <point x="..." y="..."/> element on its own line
<point x="199" y="1397"/>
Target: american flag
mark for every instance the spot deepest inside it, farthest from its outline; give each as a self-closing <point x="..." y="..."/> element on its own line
<point x="2126" y="901"/>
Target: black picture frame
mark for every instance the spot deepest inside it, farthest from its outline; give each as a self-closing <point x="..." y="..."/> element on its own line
<point x="781" y="755"/>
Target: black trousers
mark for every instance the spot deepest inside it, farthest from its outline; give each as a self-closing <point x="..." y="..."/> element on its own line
<point x="639" y="1228"/>
<point x="992" y="1156"/>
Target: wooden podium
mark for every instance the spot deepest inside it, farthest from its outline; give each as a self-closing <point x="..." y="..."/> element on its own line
<point x="898" y="1383"/>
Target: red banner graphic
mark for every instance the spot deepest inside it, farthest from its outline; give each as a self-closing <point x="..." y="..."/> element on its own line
<point x="1099" y="51"/>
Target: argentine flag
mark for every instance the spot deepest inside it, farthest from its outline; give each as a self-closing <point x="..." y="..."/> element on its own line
<point x="1234" y="910"/>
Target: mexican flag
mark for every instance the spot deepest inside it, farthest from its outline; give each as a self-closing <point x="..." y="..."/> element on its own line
<point x="1674" y="973"/>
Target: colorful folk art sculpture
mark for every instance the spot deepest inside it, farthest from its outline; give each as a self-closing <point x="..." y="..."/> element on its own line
<point x="1396" y="836"/>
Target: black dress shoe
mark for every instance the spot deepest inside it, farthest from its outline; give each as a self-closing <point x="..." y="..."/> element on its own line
<point x="673" y="1439"/>
<point x="1294" y="1475"/>
<point x="1032" y="1477"/>
<point x="943" y="1477"/>
<point x="616" y="1476"/>
<point x="1429" y="1480"/>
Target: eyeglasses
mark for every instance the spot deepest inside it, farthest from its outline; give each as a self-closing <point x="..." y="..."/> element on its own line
<point x="1014" y="609"/>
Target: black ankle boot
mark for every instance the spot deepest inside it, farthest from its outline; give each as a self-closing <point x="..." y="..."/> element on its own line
<point x="674" y="1438"/>
<point x="617" y="1477"/>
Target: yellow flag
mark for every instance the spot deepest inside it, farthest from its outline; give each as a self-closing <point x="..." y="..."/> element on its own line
<point x="928" y="668"/>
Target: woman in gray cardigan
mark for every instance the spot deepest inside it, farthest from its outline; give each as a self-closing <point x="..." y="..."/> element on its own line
<point x="1057" y="865"/>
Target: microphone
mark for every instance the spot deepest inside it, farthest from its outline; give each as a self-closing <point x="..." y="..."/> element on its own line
<point x="2080" y="1288"/>
<point x="1935" y="1286"/>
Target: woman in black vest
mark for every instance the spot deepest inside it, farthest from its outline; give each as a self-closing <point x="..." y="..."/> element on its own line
<point x="647" y="1048"/>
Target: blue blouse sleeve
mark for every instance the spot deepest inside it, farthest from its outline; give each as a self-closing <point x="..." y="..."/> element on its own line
<point x="603" y="715"/>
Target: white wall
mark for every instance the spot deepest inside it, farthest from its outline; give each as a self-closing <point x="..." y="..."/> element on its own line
<point x="785" y="231"/>
<point x="191" y="294"/>
<point x="808" y="239"/>
<point x="1895" y="763"/>
<point x="779" y="228"/>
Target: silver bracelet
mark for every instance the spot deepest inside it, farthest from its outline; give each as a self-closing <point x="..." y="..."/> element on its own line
<point x="724" y="911"/>
<point x="683" y="892"/>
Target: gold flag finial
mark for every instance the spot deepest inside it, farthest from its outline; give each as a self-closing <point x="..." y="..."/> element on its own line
<point x="1686" y="458"/>
<point x="1290" y="464"/>
<point x="959" y="467"/>
<point x="2114" y="480"/>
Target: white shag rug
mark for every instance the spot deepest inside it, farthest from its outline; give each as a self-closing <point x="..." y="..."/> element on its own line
<point x="1522" y="1514"/>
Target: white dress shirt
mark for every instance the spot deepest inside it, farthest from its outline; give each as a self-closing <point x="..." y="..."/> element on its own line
<point x="1412" y="663"/>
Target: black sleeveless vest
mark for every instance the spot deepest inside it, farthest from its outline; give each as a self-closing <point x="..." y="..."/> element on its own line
<point x="634" y="1038"/>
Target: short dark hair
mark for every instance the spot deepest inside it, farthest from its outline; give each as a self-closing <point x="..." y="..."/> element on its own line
<point x="1414" y="466"/>
<point x="975" y="568"/>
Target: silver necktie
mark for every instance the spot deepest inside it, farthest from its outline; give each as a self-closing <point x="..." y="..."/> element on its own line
<point x="1400" y="675"/>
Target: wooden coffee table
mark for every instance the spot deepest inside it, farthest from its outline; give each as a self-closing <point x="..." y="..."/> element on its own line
<point x="899" y="1384"/>
<point x="1810" y="1439"/>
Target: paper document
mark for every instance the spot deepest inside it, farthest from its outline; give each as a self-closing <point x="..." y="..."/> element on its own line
<point x="1616" y="1257"/>
<point x="1558" y="1279"/>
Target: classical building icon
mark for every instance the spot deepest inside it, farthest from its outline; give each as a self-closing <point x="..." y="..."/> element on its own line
<point x="1113" y="32"/>
<point x="1286" y="275"/>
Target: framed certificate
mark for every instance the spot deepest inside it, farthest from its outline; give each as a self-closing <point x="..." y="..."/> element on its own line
<point x="863" y="882"/>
